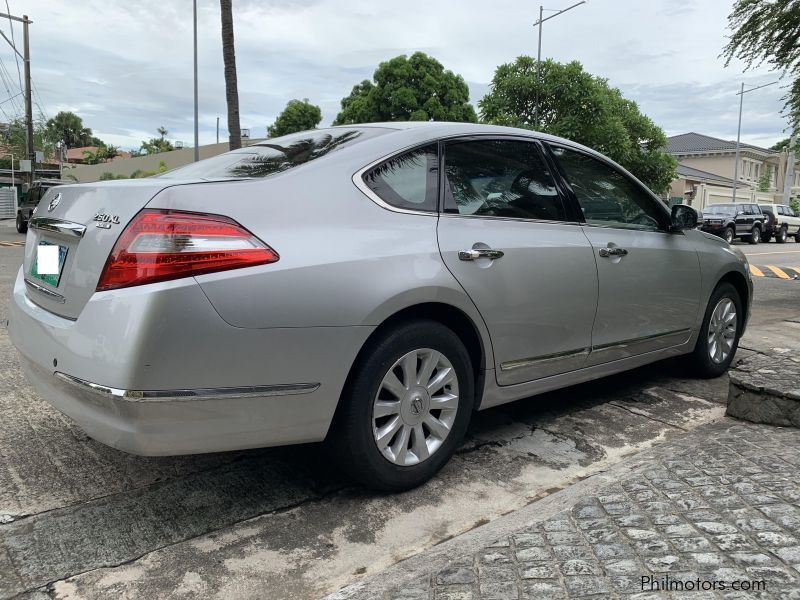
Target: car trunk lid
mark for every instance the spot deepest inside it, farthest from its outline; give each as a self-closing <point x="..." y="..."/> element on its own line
<point x="84" y="221"/>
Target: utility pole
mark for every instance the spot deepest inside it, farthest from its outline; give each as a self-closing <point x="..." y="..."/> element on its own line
<point x="741" y="94"/>
<point x="788" y="175"/>
<point x="196" y="125"/>
<point x="539" y="53"/>
<point x="26" y="59"/>
<point x="28" y="106"/>
<point x="218" y="130"/>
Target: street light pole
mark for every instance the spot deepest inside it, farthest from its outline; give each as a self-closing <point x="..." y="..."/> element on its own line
<point x="196" y="125"/>
<point x="539" y="52"/>
<point x="741" y="94"/>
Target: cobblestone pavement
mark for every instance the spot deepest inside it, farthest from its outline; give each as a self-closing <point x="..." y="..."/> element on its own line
<point x="721" y="504"/>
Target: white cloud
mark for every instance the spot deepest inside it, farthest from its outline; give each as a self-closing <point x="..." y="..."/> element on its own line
<point x="126" y="68"/>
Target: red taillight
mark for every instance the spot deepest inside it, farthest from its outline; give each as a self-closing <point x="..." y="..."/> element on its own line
<point x="165" y="244"/>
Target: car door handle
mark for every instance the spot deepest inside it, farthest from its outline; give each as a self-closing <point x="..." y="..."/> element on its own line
<point x="476" y="253"/>
<point x="608" y="252"/>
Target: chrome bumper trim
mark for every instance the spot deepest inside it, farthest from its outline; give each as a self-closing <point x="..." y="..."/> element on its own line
<point x="50" y="293"/>
<point x="58" y="226"/>
<point x="288" y="389"/>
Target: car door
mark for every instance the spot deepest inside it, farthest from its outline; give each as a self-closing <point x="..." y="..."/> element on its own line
<point x="508" y="238"/>
<point x="649" y="277"/>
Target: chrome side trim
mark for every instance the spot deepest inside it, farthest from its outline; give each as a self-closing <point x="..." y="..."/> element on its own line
<point x="58" y="226"/>
<point x="228" y="393"/>
<point x="538" y="360"/>
<point x="637" y="340"/>
<point x="50" y="293"/>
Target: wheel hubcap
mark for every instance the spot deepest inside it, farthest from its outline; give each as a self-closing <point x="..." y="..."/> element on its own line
<point x="415" y="407"/>
<point x="722" y="330"/>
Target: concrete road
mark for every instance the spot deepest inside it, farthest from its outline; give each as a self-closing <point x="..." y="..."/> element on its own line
<point x="81" y="520"/>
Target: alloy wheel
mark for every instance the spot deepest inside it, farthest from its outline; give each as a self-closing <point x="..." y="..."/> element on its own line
<point x="722" y="330"/>
<point x="415" y="407"/>
<point x="729" y="236"/>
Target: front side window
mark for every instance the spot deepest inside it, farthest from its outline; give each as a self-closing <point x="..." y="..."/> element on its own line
<point x="408" y="181"/>
<point x="606" y="196"/>
<point x="500" y="178"/>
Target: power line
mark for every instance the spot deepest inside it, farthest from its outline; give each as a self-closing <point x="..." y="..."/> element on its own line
<point x="14" y="43"/>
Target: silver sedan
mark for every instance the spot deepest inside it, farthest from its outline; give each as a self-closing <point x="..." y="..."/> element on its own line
<point x="370" y="286"/>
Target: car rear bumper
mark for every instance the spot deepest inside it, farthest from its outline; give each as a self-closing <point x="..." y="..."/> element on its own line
<point x="157" y="372"/>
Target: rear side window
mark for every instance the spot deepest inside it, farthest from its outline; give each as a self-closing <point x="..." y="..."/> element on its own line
<point x="409" y="181"/>
<point x="500" y="178"/>
<point x="274" y="156"/>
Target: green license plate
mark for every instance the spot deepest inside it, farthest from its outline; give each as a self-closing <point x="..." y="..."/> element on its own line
<point x="50" y="278"/>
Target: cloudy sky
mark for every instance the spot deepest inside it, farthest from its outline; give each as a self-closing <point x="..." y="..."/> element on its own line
<point x="126" y="67"/>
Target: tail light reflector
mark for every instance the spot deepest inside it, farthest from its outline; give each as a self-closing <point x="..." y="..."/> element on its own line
<point x="158" y="245"/>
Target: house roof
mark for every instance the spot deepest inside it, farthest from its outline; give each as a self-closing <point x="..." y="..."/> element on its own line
<point x="690" y="143"/>
<point x="692" y="173"/>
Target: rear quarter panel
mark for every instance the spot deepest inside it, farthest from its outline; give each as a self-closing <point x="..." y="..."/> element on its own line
<point x="344" y="261"/>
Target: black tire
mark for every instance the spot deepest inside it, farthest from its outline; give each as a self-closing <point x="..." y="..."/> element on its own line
<point x="782" y="235"/>
<point x="22" y="224"/>
<point x="728" y="235"/>
<point x="351" y="439"/>
<point x="755" y="235"/>
<point x="765" y="237"/>
<point x="797" y="237"/>
<point x="700" y="359"/>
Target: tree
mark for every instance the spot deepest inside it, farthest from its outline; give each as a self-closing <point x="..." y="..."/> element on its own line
<point x="102" y="154"/>
<point x="14" y="140"/>
<point x="299" y="115"/>
<point x="231" y="85"/>
<point x="784" y="144"/>
<point x="68" y="127"/>
<point x="765" y="181"/>
<point x="581" y="107"/>
<point x="156" y="145"/>
<point x="768" y="31"/>
<point x="408" y="89"/>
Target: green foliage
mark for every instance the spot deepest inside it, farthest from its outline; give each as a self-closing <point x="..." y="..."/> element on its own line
<point x="104" y="153"/>
<point x="299" y="115"/>
<point x="784" y="143"/>
<point x="766" y="31"/>
<point x="141" y="173"/>
<point x="408" y="89"/>
<point x="765" y="181"/>
<point x="578" y="106"/>
<point x="68" y="127"/>
<point x="156" y="145"/>
<point x="795" y="204"/>
<point x="14" y="140"/>
<point x="107" y="175"/>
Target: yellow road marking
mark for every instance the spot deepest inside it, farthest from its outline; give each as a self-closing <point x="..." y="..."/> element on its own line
<point x="777" y="252"/>
<point x="778" y="272"/>
<point x="756" y="271"/>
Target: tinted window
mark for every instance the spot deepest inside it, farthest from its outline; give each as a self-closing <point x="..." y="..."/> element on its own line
<point x="606" y="196"/>
<point x="780" y="210"/>
<point x="274" y="155"/>
<point x="407" y="181"/>
<point x="500" y="178"/>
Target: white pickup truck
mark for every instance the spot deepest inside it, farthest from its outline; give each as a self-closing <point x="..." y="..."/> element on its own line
<point x="782" y="223"/>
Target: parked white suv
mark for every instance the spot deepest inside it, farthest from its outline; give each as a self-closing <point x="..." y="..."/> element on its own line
<point x="782" y="223"/>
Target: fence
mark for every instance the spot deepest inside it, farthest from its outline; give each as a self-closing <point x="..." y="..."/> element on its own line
<point x="8" y="203"/>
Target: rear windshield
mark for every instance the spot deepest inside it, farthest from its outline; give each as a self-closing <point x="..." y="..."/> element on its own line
<point x="275" y="155"/>
<point x="719" y="209"/>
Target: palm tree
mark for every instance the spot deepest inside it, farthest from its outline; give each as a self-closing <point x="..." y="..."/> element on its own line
<point x="162" y="131"/>
<point x="231" y="89"/>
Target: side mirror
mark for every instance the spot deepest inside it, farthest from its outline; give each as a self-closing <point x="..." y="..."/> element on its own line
<point x="684" y="217"/>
